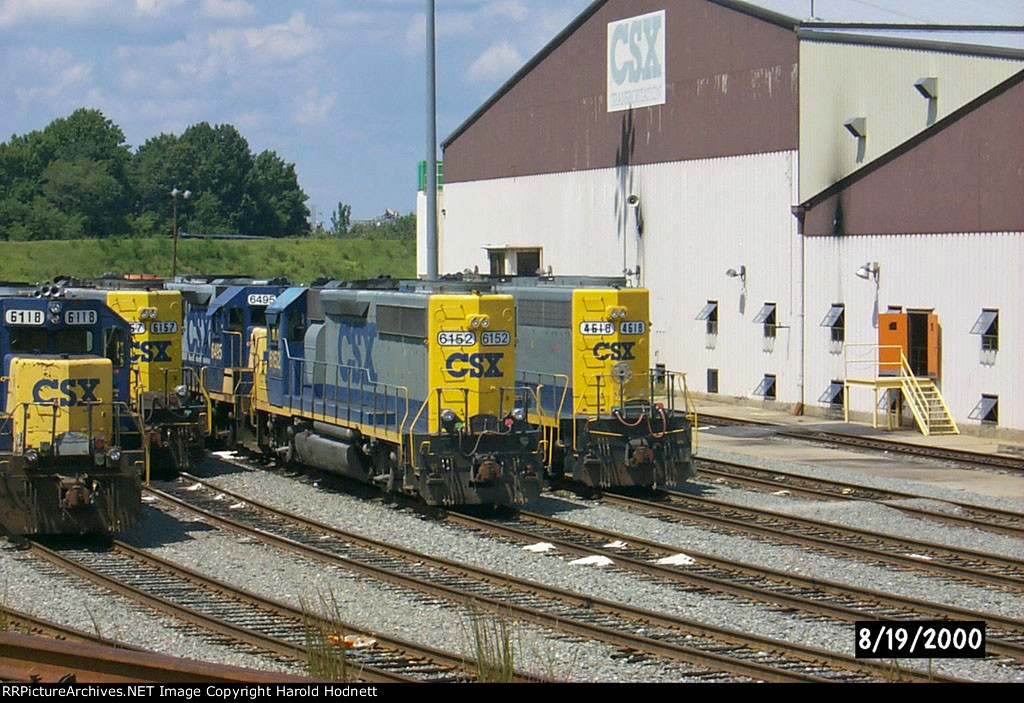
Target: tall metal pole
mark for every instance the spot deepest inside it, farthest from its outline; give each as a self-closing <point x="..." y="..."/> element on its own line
<point x="431" y="149"/>
<point x="174" y="261"/>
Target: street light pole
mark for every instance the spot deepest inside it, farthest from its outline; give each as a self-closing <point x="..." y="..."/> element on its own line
<point x="174" y="194"/>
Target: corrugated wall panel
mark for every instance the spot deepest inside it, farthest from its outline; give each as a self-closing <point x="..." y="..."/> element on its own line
<point x="842" y="81"/>
<point x="955" y="274"/>
<point x="699" y="218"/>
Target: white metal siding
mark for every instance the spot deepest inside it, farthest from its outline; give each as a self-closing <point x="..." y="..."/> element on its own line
<point x="842" y="81"/>
<point x="956" y="274"/>
<point x="700" y="218"/>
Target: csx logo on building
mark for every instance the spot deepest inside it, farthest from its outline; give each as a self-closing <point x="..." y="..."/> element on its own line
<point x="70" y="391"/>
<point x="636" y="62"/>
<point x="478" y="365"/>
<point x="614" y="351"/>
<point x="147" y="352"/>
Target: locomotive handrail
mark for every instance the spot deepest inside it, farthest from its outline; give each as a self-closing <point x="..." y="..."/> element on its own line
<point x="364" y="384"/>
<point x="116" y="408"/>
<point x="555" y="431"/>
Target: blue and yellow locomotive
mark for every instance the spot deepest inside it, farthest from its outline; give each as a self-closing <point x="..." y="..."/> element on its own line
<point x="174" y="417"/>
<point x="403" y="387"/>
<point x="72" y="456"/>
<point x="220" y="314"/>
<point x="584" y="351"/>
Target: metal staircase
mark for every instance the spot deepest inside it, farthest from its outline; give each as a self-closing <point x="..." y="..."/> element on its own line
<point x="926" y="403"/>
<point x="891" y="373"/>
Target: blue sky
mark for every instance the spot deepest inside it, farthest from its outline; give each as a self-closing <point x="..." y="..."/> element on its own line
<point x="335" y="86"/>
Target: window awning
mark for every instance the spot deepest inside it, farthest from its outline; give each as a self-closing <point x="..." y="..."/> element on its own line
<point x="984" y="408"/>
<point x="766" y="386"/>
<point x="833" y="316"/>
<point x="765" y="313"/>
<point x="835" y="388"/>
<point x="985" y="320"/>
<point x="706" y="311"/>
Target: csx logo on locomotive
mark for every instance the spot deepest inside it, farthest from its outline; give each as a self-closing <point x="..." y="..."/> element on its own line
<point x="150" y="351"/>
<point x="478" y="365"/>
<point x="614" y="351"/>
<point x="63" y="392"/>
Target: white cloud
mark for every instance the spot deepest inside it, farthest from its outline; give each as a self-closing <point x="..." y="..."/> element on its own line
<point x="52" y="75"/>
<point x="498" y="61"/>
<point x="313" y="107"/>
<point x="226" y="9"/>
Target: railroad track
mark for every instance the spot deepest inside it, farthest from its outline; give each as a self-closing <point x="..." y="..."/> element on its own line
<point x="815" y="597"/>
<point x="245" y="617"/>
<point x="978" y="567"/>
<point x="1005" y="522"/>
<point x="34" y="660"/>
<point x="1000" y="462"/>
<point x="712" y="653"/>
<point x="16" y="620"/>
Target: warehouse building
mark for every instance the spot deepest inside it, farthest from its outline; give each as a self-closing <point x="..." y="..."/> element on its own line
<point x="787" y="190"/>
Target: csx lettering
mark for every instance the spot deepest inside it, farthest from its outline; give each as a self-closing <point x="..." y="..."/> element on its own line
<point x="640" y="36"/>
<point x="63" y="392"/>
<point x="479" y="365"/>
<point x="151" y="351"/>
<point x="614" y="351"/>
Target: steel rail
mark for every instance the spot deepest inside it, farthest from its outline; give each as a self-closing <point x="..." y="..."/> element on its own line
<point x="561" y="621"/>
<point x="675" y="509"/>
<point x="806" y="485"/>
<point x="775" y="593"/>
<point x="234" y="632"/>
<point x="39" y="627"/>
<point x="962" y="456"/>
<point x="29" y="659"/>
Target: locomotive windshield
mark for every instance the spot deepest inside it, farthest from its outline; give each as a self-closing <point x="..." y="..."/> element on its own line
<point x="33" y="341"/>
<point x="72" y="341"/>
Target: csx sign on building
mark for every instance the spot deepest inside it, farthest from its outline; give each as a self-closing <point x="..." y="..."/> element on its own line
<point x="636" y="62"/>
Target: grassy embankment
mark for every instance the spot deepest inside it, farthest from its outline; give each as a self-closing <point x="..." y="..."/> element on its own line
<point x="301" y="259"/>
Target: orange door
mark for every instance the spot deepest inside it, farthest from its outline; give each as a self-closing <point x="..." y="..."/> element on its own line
<point x="934" y="345"/>
<point x="892" y="332"/>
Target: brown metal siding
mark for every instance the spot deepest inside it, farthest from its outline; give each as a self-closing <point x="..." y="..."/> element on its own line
<point x="967" y="177"/>
<point x="731" y="88"/>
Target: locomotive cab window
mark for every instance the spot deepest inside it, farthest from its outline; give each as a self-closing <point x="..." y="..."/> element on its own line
<point x="33" y="341"/>
<point x="767" y="318"/>
<point x="709" y="313"/>
<point x="987" y="326"/>
<point x="258" y="317"/>
<point x="114" y="346"/>
<point x="73" y="341"/>
<point x="296" y="326"/>
<point x="235" y="320"/>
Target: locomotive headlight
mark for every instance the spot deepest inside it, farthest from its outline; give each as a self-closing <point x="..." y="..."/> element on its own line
<point x="448" y="416"/>
<point x="54" y="319"/>
<point x="54" y="307"/>
<point x="181" y="392"/>
<point x="485" y="322"/>
<point x="519" y="414"/>
<point x="31" y="456"/>
<point x="114" y="456"/>
<point x="475" y="322"/>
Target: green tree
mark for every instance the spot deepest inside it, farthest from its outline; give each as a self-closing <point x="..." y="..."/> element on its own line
<point x="341" y="220"/>
<point x="67" y="180"/>
<point x="281" y="203"/>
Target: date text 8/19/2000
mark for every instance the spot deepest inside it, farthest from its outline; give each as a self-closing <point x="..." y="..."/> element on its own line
<point x="925" y="639"/>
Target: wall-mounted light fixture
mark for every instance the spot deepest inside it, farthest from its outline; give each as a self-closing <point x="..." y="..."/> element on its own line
<point x="869" y="271"/>
<point x="740" y="273"/>
<point x="928" y="87"/>
<point x="857" y="126"/>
